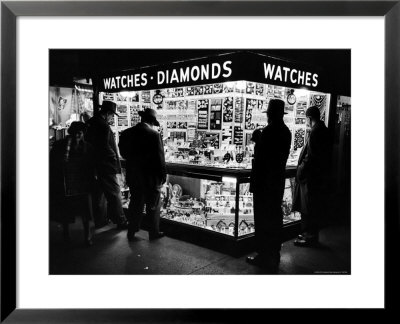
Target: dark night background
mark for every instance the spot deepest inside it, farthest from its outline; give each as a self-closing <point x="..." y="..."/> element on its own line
<point x="69" y="63"/>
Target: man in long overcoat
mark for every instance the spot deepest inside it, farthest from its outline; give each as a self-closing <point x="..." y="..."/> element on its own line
<point x="143" y="150"/>
<point x="312" y="179"/>
<point x="107" y="162"/>
<point x="268" y="184"/>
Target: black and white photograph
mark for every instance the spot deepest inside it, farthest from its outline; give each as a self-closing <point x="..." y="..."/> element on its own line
<point x="168" y="159"/>
<point x="114" y="207"/>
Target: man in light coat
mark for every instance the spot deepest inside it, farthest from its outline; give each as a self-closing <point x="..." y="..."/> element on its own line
<point x="312" y="179"/>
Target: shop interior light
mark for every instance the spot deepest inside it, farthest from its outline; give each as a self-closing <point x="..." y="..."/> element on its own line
<point x="241" y="85"/>
<point x="229" y="179"/>
<point x="301" y="92"/>
<point x="129" y="94"/>
<point x="77" y="87"/>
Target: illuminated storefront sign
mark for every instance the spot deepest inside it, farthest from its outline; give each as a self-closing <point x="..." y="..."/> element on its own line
<point x="216" y="69"/>
<point x="274" y="72"/>
<point x="170" y="77"/>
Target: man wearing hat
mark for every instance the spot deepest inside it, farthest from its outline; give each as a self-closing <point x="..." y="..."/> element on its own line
<point x="312" y="179"/>
<point x="268" y="186"/>
<point x="145" y="172"/>
<point x="100" y="135"/>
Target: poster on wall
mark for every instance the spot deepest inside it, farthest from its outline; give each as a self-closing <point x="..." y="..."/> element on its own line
<point x="171" y="124"/>
<point x="269" y="91"/>
<point x="122" y="121"/>
<point x="190" y="91"/>
<point x="178" y="135"/>
<point x="178" y="92"/>
<point x="108" y="96"/>
<point x="237" y="135"/>
<point x="191" y="131"/>
<point x="301" y="107"/>
<point x="299" y="134"/>
<point x="191" y="106"/>
<point x="60" y="106"/>
<point x="289" y="109"/>
<point x="199" y="90"/>
<point x="320" y="102"/>
<point x="228" y="110"/>
<point x="208" y="89"/>
<point x="181" y="125"/>
<point x="250" y="105"/>
<point x="278" y="92"/>
<point x="215" y="113"/>
<point x="202" y="113"/>
<point x="260" y="89"/>
<point x="181" y="105"/>
<point x="146" y="96"/>
<point x="122" y="110"/>
<point x="250" y="87"/>
<point x="261" y="105"/>
<point x="227" y="134"/>
<point x="238" y="110"/>
<point x="217" y="88"/>
<point x="300" y="121"/>
<point x="228" y="87"/>
<point x="134" y="116"/>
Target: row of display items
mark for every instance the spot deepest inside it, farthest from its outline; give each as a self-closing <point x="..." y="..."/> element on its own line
<point x="213" y="126"/>
<point x="211" y="205"/>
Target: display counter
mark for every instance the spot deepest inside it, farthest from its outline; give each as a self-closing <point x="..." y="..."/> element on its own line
<point x="216" y="200"/>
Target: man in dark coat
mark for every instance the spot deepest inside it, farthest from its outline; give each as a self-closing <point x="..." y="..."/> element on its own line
<point x="268" y="184"/>
<point x="145" y="172"/>
<point x="107" y="162"/>
<point x="312" y="179"/>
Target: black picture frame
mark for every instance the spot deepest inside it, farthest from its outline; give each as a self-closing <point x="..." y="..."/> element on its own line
<point x="11" y="10"/>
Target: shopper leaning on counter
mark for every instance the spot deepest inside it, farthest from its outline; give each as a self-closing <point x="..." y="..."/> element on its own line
<point x="143" y="150"/>
<point x="107" y="161"/>
<point x="268" y="184"/>
<point x="313" y="179"/>
<point x="71" y="181"/>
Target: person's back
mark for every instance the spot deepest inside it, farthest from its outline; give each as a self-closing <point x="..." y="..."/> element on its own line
<point x="107" y="162"/>
<point x="144" y="162"/>
<point x="146" y="172"/>
<point x="313" y="179"/>
<point x="100" y="136"/>
<point x="269" y="174"/>
<point x="272" y="154"/>
<point x="320" y="149"/>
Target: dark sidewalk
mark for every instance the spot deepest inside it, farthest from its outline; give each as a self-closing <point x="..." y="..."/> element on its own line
<point x="113" y="254"/>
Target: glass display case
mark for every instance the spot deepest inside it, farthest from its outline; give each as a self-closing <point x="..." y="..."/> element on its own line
<point x="216" y="201"/>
